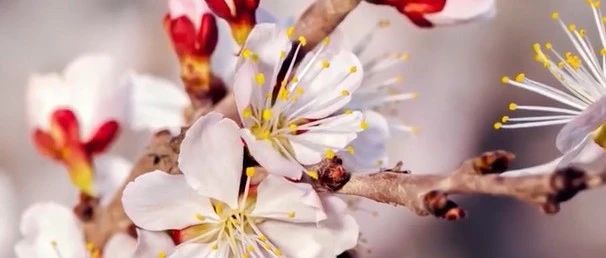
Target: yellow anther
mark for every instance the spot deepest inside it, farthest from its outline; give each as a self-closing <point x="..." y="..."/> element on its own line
<point x="247" y="112"/>
<point x="404" y="56"/>
<point x="294" y="79"/>
<point x="573" y="60"/>
<point x="161" y="254"/>
<point x="505" y="79"/>
<point x="548" y="45"/>
<point x="520" y="77"/>
<point x="290" y="31"/>
<point x="214" y="246"/>
<point x="262" y="238"/>
<point x="345" y="93"/>
<point x="603" y="19"/>
<point x="260" y="132"/>
<point x="347" y="111"/>
<point x="293" y="128"/>
<point x="582" y="32"/>
<point x="364" y="125"/>
<point x="90" y="246"/>
<point x="282" y="54"/>
<point x="594" y="3"/>
<point x="283" y="94"/>
<point x="325" y="63"/>
<point x="353" y="69"/>
<point x="245" y="255"/>
<point x="555" y="15"/>
<point x="302" y="41"/>
<point x="255" y="57"/>
<point x="329" y="154"/>
<point x="603" y="51"/>
<point x="267" y="114"/>
<point x="277" y="252"/>
<point x="383" y="23"/>
<point x="326" y="41"/>
<point x="512" y="106"/>
<point x="199" y="217"/>
<point x="350" y="149"/>
<point x="246" y="53"/>
<point x="299" y="90"/>
<point x="504" y="119"/>
<point x="572" y="27"/>
<point x="260" y="79"/>
<point x="312" y="173"/>
<point x="251" y="171"/>
<point x="497" y="125"/>
<point x="291" y="215"/>
<point x="250" y="248"/>
<point x="53" y="243"/>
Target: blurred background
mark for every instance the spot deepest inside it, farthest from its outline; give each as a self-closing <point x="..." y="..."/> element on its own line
<point x="455" y="70"/>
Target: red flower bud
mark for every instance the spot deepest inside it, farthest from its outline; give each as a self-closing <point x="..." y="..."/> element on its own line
<point x="191" y="41"/>
<point x="415" y="10"/>
<point x="240" y="14"/>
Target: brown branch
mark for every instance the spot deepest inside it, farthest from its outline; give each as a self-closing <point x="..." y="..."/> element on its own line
<point x="428" y="194"/>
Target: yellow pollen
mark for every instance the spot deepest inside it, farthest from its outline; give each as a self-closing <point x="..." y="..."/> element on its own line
<point x="291" y="215"/>
<point x="260" y="132"/>
<point x="290" y="31"/>
<point x="345" y="93"/>
<point x="325" y="63"/>
<point x="247" y="112"/>
<point x="520" y="77"/>
<point x="53" y="243"/>
<point x="364" y="125"/>
<point x="497" y="125"/>
<point x="267" y="114"/>
<point x="90" y="246"/>
<point x="260" y="79"/>
<point x="245" y="255"/>
<point x="294" y="79"/>
<point x="572" y="27"/>
<point x="161" y="254"/>
<point x="326" y="41"/>
<point x="299" y="90"/>
<point x="404" y="56"/>
<point x="505" y="79"/>
<point x="573" y="60"/>
<point x="350" y="149"/>
<point x="555" y="15"/>
<point x="329" y="154"/>
<point x="251" y="171"/>
<point x="302" y="41"/>
<point x="255" y="57"/>
<point x="262" y="238"/>
<point x="277" y="252"/>
<point x="214" y="246"/>
<point x="199" y="217"/>
<point x="313" y="174"/>
<point x="246" y="53"/>
<point x="383" y="23"/>
<point x="504" y="119"/>
<point x="582" y="32"/>
<point x="603" y="19"/>
<point x="594" y="3"/>
<point x="353" y="69"/>
<point x="282" y="54"/>
<point x="348" y="111"/>
<point x="548" y="45"/>
<point x="283" y="94"/>
<point x="603" y="51"/>
<point x="250" y="248"/>
<point x="512" y="106"/>
<point x="293" y="128"/>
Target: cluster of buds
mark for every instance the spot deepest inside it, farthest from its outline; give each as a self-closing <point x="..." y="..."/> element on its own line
<point x="193" y="31"/>
<point x="64" y="143"/>
<point x="240" y="14"/>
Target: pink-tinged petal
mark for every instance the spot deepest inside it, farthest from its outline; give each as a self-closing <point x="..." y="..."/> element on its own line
<point x="211" y="158"/>
<point x="158" y="201"/>
<point x="368" y="150"/>
<point x="329" y="238"/>
<point x="153" y="244"/>
<point x="120" y="245"/>
<point x="200" y="250"/>
<point x="578" y="128"/>
<point x="587" y="154"/>
<point x="192" y="9"/>
<point x="270" y="158"/>
<point x="97" y="92"/>
<point x="278" y="198"/>
<point x="309" y="147"/>
<point x="156" y="103"/>
<point x="110" y="173"/>
<point x="545" y="168"/>
<point x="331" y="90"/>
<point x="243" y="88"/>
<point x="460" y="11"/>
<point x="48" y="228"/>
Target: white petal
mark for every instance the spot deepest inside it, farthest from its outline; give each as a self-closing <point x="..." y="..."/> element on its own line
<point x="45" y="224"/>
<point x="459" y="11"/>
<point x="586" y="155"/>
<point x="156" y="103"/>
<point x="578" y="128"/>
<point x="545" y="168"/>
<point x="199" y="250"/>
<point x="331" y="237"/>
<point x="120" y="245"/>
<point x="326" y="90"/>
<point x="244" y="83"/>
<point x="193" y="9"/>
<point x="110" y="173"/>
<point x="96" y="91"/>
<point x="45" y="94"/>
<point x="159" y="201"/>
<point x="152" y="244"/>
<point x="211" y="158"/>
<point x="269" y="158"/>
<point x="369" y="150"/>
<point x="309" y="147"/>
<point x="278" y="198"/>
